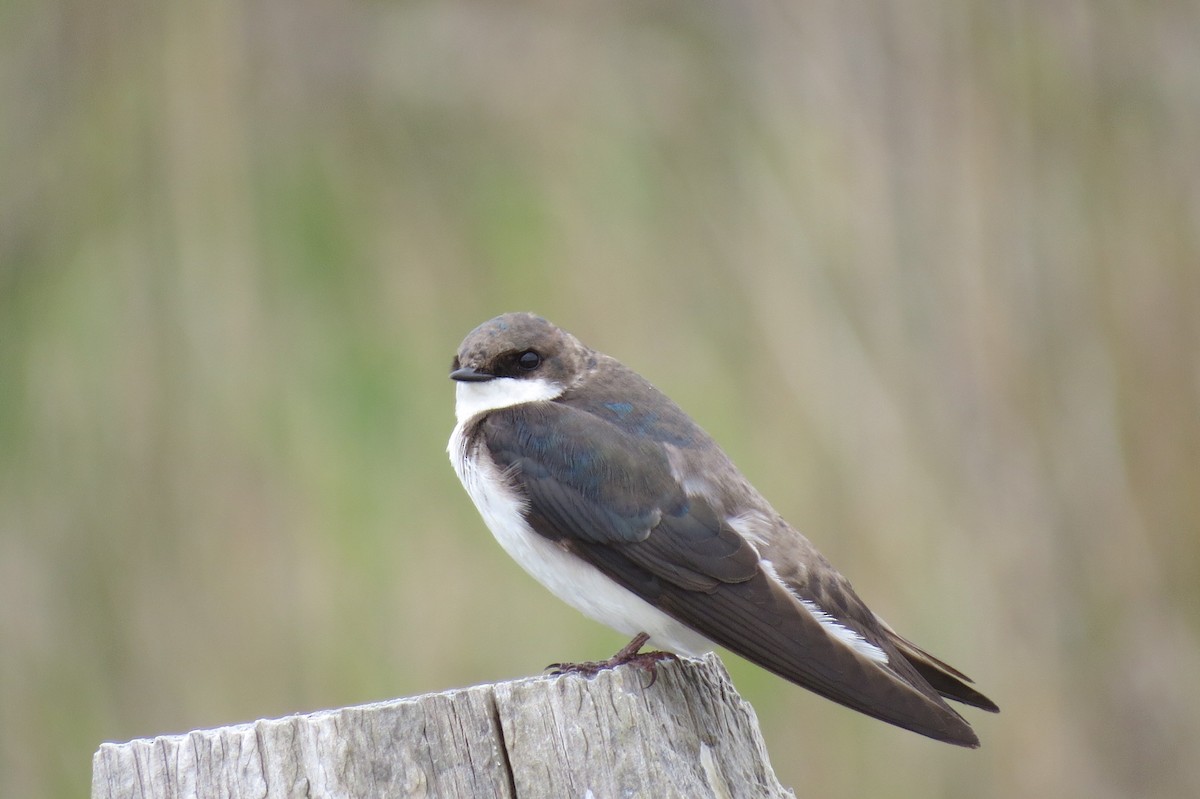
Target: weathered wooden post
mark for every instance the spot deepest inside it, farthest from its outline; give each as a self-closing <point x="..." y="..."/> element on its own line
<point x="689" y="735"/>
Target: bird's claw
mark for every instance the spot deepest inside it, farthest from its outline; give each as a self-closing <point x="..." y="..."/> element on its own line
<point x="629" y="655"/>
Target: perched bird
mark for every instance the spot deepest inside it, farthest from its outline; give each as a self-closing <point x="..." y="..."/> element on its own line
<point x="607" y="493"/>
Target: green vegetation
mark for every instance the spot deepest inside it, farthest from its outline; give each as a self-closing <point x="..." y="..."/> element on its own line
<point x="931" y="275"/>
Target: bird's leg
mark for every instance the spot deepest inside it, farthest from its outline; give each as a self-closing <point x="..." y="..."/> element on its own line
<point x="627" y="655"/>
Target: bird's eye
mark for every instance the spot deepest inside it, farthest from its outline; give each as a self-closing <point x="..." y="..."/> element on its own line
<point x="529" y="360"/>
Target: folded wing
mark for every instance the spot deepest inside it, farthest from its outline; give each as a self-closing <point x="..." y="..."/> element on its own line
<point x="608" y="495"/>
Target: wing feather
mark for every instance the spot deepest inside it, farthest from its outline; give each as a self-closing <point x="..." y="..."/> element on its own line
<point x="608" y="495"/>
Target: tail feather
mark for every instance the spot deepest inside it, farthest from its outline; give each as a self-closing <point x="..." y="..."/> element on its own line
<point x="942" y="677"/>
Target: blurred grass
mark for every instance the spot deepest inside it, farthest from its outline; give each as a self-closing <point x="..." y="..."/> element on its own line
<point x="930" y="273"/>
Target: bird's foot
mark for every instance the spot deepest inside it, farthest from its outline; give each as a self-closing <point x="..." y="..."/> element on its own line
<point x="629" y="655"/>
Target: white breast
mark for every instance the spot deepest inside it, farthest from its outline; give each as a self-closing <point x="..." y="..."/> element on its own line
<point x="572" y="580"/>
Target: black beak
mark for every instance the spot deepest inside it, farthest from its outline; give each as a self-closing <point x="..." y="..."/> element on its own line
<point x="468" y="374"/>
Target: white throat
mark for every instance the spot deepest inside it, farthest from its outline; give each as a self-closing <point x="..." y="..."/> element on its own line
<point x="570" y="578"/>
<point x="471" y="399"/>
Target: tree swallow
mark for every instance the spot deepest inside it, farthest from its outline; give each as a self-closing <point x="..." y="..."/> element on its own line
<point x="607" y="493"/>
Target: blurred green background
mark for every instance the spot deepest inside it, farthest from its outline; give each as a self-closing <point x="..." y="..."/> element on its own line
<point x="929" y="271"/>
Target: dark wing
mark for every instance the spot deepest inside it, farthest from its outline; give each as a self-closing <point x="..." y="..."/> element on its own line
<point x="942" y="677"/>
<point x="608" y="495"/>
<point x="829" y="590"/>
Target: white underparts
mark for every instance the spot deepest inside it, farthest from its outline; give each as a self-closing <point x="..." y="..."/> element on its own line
<point x="571" y="579"/>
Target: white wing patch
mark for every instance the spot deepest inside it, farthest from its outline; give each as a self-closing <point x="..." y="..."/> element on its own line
<point x="693" y="483"/>
<point x="847" y="636"/>
<point x="755" y="528"/>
